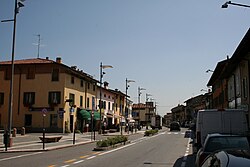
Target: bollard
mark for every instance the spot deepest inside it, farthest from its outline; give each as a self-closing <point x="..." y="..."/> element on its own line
<point x="23" y="131"/>
<point x="14" y="132"/>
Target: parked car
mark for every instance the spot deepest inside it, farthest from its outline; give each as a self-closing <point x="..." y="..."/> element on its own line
<point x="217" y="141"/>
<point x="175" y="126"/>
<point x="228" y="158"/>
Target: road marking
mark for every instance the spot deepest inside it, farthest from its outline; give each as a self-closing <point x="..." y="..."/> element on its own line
<point x="96" y="153"/>
<point x="69" y="161"/>
<point x="85" y="156"/>
<point x="183" y="164"/>
<point x="119" y="148"/>
<point x="65" y="166"/>
<point x="91" y="157"/>
<point x="77" y="162"/>
<point x="20" y="156"/>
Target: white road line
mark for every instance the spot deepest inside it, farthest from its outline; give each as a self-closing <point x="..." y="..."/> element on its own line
<point x="91" y="157"/>
<point x="183" y="164"/>
<point x="65" y="166"/>
<point x="20" y="156"/>
<point x="77" y="162"/>
<point x="117" y="149"/>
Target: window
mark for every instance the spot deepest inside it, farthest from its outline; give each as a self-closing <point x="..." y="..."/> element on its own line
<point x="1" y="98"/>
<point x="72" y="97"/>
<point x="29" y="98"/>
<point x="7" y="74"/>
<point x="104" y="105"/>
<point x="93" y="103"/>
<point x="244" y="86"/>
<point x="28" y="119"/>
<point x="30" y="73"/>
<point x="81" y="101"/>
<point x="72" y="79"/>
<point x="88" y="102"/>
<point x="53" y="120"/>
<point x="88" y="86"/>
<point x="55" y="74"/>
<point x="54" y="97"/>
<point x="108" y="105"/>
<point x="93" y="87"/>
<point x="81" y="83"/>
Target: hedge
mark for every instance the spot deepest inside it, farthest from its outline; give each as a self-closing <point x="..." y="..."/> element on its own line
<point x="111" y="141"/>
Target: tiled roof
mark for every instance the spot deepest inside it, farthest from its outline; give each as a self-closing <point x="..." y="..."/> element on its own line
<point x="29" y="61"/>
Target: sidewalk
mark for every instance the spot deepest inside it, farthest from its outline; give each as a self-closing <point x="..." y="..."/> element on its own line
<point x="31" y="142"/>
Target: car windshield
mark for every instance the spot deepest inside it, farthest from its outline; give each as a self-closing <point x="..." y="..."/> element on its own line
<point x="226" y="142"/>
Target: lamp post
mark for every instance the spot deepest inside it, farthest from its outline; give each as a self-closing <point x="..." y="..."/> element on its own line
<point x="204" y="90"/>
<point x="100" y="102"/>
<point x="225" y="5"/>
<point x="148" y="114"/>
<point x="126" y="100"/>
<point x="209" y="70"/>
<point x="139" y="94"/>
<point x="147" y="96"/>
<point x="18" y="5"/>
<point x="139" y="98"/>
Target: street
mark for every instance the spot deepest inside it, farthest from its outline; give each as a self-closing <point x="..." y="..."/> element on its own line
<point x="164" y="149"/>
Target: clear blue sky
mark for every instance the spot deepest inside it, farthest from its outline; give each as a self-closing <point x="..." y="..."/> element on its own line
<point x="166" y="46"/>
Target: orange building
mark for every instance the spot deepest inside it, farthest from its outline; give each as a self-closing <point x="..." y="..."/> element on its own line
<point x="46" y="93"/>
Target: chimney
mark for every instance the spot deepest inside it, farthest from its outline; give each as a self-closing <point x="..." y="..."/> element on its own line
<point x="106" y="84"/>
<point x="59" y="60"/>
<point x="47" y="58"/>
<point x="74" y="67"/>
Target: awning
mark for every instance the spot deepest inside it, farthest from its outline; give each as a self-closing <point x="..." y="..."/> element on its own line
<point x="96" y="115"/>
<point x="84" y="114"/>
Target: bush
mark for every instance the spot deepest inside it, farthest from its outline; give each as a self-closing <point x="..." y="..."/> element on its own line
<point x="77" y="131"/>
<point x="111" y="141"/>
<point x="150" y="132"/>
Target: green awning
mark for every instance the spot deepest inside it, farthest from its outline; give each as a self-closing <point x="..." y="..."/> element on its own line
<point x="84" y="114"/>
<point x="96" y="115"/>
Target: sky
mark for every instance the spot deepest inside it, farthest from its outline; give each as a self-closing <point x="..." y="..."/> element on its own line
<point x="165" y="46"/>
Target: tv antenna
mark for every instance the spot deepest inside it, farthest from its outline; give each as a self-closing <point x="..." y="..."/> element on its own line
<point x="38" y="45"/>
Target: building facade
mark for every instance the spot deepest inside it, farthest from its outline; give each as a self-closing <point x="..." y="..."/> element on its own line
<point x="46" y="93"/>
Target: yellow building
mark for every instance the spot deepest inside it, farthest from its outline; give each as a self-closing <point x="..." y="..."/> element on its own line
<point x="46" y="93"/>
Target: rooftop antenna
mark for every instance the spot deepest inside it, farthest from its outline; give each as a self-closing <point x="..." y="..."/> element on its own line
<point x="38" y="45"/>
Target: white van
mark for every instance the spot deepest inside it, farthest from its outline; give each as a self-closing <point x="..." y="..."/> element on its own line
<point x="229" y="121"/>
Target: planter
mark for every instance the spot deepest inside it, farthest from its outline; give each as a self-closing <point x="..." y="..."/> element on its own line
<point x="111" y="147"/>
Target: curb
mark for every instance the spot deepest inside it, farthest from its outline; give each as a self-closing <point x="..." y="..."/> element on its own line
<point x="47" y="149"/>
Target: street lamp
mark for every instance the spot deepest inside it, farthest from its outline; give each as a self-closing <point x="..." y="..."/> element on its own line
<point x="18" y="5"/>
<point x="148" y="115"/>
<point x="127" y="86"/>
<point x="126" y="100"/>
<point x="204" y="90"/>
<point x="209" y="70"/>
<point x="100" y="102"/>
<point x="225" y="5"/>
<point x="147" y="96"/>
<point x="139" y="99"/>
<point x="139" y="94"/>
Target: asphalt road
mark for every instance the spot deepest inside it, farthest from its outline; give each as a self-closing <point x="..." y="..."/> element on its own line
<point x="165" y="149"/>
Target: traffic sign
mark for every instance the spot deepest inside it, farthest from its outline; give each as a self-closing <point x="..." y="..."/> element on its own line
<point x="44" y="111"/>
